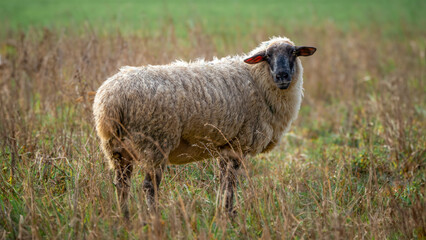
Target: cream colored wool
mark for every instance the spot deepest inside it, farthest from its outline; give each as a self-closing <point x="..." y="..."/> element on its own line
<point x="184" y="112"/>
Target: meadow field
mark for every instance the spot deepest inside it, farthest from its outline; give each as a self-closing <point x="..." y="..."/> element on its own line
<point x="351" y="167"/>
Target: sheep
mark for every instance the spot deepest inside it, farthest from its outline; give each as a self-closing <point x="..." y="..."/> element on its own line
<point x="227" y="108"/>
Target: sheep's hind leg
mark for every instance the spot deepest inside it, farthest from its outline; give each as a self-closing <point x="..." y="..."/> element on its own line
<point x="123" y="171"/>
<point x="228" y="180"/>
<point x="151" y="185"/>
<point x="154" y="156"/>
<point x="155" y="162"/>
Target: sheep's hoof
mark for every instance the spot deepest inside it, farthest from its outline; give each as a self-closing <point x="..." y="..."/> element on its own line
<point x="126" y="215"/>
<point x="232" y="213"/>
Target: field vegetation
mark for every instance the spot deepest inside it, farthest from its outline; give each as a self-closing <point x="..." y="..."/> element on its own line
<point x="352" y="166"/>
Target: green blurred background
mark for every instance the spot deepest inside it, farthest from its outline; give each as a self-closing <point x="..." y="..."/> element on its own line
<point x="237" y="16"/>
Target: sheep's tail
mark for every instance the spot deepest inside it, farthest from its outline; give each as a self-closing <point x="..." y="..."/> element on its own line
<point x="109" y="122"/>
<point x="115" y="144"/>
<point x="112" y="133"/>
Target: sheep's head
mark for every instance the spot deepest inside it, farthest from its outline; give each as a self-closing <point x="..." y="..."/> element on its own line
<point x="281" y="58"/>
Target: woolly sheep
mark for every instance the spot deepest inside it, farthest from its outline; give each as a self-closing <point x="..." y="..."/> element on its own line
<point x="183" y="112"/>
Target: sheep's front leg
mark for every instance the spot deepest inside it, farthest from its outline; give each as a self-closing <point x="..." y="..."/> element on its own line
<point x="151" y="184"/>
<point x="228" y="181"/>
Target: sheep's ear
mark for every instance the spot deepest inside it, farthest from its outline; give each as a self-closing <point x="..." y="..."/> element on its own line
<point x="257" y="58"/>
<point x="305" y="51"/>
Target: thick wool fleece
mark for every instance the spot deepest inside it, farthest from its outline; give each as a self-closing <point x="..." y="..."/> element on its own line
<point x="184" y="112"/>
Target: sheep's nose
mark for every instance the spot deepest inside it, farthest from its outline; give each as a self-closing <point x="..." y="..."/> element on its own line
<point x="282" y="75"/>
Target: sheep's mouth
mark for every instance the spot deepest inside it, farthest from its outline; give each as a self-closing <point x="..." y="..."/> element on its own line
<point x="283" y="85"/>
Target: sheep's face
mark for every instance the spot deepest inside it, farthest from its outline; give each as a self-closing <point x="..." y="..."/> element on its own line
<point x="281" y="58"/>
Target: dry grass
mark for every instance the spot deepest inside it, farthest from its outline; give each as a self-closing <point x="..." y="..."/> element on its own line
<point x="353" y="165"/>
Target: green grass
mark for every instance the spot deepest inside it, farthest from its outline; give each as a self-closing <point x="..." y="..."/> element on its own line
<point x="241" y="16"/>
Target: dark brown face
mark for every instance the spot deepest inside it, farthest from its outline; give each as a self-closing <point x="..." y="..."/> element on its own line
<point x="281" y="59"/>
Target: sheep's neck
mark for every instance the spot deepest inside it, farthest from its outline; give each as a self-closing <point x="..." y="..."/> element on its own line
<point x="283" y="104"/>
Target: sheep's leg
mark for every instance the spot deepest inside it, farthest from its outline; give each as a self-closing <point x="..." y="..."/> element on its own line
<point x="228" y="181"/>
<point x="151" y="185"/>
<point x="123" y="171"/>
